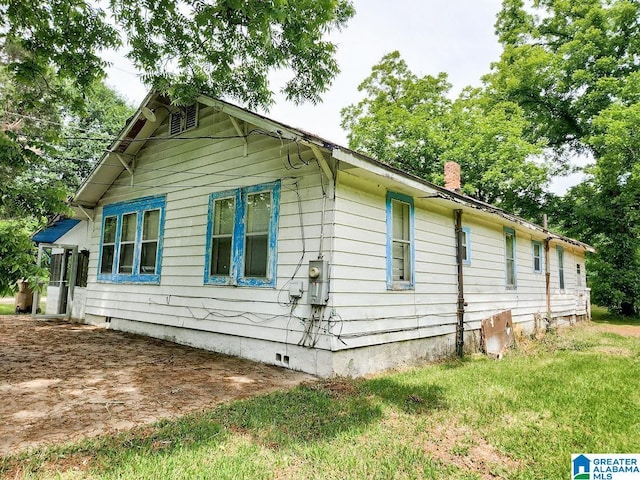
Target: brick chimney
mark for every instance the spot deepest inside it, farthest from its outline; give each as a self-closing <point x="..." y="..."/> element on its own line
<point x="452" y="176"/>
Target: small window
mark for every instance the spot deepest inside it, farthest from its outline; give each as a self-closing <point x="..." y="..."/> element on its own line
<point x="185" y="119"/>
<point x="578" y="275"/>
<point x="241" y="236"/>
<point x="510" y="258"/>
<point x="130" y="248"/>
<point x="400" y="242"/>
<point x="560" y="251"/>
<point x="82" y="271"/>
<point x="466" y="245"/>
<point x="537" y="256"/>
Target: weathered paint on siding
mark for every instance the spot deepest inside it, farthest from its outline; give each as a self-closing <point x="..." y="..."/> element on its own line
<point x="188" y="172"/>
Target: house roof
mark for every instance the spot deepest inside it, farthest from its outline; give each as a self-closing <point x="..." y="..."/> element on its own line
<point x="54" y="231"/>
<point x="141" y="126"/>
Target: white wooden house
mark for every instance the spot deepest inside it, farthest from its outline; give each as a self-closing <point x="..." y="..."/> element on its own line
<point x="219" y="228"/>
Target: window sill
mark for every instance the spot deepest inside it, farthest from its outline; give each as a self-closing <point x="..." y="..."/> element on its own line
<point x="244" y="282"/>
<point x="400" y="287"/>
<point x="128" y="279"/>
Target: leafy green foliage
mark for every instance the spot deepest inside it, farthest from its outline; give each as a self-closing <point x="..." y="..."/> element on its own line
<point x="572" y="67"/>
<point x="185" y="47"/>
<point x="17" y="254"/>
<point x="88" y="133"/>
<point x="39" y="166"/>
<point x="409" y="122"/>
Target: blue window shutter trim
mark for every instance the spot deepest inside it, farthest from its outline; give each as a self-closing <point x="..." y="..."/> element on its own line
<point x="236" y="272"/>
<point x="391" y="285"/>
<point x="138" y="206"/>
<point x="238" y="238"/>
<point x="210" y="279"/>
<point x="467" y="231"/>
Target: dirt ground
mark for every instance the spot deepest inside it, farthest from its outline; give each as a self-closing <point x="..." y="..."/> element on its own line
<point x="61" y="382"/>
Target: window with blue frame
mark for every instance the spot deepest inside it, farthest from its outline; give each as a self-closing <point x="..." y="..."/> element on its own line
<point x="131" y="241"/>
<point x="466" y="245"/>
<point x="400" y="242"/>
<point x="242" y="233"/>
<point x="536" y="248"/>
<point x="510" y="258"/>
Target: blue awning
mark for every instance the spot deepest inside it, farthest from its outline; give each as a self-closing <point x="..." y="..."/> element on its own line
<point x="53" y="232"/>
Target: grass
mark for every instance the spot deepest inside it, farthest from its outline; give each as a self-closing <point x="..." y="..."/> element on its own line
<point x="10" y="309"/>
<point x="602" y="315"/>
<point x="518" y="418"/>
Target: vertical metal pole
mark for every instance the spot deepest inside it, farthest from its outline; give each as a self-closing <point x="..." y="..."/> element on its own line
<point x="547" y="270"/>
<point x="460" y="303"/>
<point x="36" y="291"/>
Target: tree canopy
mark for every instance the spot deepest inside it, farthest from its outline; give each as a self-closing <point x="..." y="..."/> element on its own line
<point x="573" y="69"/>
<point x="410" y="122"/>
<point x="184" y="47"/>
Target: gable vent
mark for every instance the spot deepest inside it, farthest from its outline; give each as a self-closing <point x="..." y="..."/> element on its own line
<point x="175" y="123"/>
<point x="191" y="116"/>
<point x="185" y="119"/>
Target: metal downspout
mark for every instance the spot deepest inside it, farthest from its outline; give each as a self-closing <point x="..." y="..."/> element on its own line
<point x="460" y="303"/>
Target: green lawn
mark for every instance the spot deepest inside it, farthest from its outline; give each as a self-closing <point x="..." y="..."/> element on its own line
<point x="7" y="309"/>
<point x="10" y="309"/>
<point x="518" y="418"/>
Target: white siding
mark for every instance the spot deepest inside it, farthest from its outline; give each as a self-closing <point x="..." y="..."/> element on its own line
<point x="372" y="314"/>
<point x="187" y="171"/>
<point x="362" y="312"/>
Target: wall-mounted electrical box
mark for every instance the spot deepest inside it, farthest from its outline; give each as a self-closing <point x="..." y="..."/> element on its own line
<point x="318" y="293"/>
<point x="295" y="289"/>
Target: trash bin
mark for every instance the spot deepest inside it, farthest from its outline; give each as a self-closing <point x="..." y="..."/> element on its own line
<point x="24" y="297"/>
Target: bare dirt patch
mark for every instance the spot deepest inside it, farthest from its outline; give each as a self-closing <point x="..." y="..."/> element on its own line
<point x="456" y="444"/>
<point x="62" y="382"/>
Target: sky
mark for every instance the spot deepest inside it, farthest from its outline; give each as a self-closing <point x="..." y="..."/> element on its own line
<point x="432" y="36"/>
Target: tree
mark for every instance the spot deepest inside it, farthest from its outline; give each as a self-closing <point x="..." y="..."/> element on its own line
<point x="17" y="253"/>
<point x="410" y="122"/>
<point x="572" y="67"/>
<point x="43" y="157"/>
<point x="87" y="134"/>
<point x="185" y="47"/>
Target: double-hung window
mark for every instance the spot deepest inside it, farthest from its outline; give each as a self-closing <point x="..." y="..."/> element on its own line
<point x="536" y="248"/>
<point x="560" y="251"/>
<point x="131" y="241"/>
<point x="510" y="258"/>
<point x="400" y="242"/>
<point x="242" y="236"/>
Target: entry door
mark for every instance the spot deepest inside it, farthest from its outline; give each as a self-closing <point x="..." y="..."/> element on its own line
<point x="62" y="275"/>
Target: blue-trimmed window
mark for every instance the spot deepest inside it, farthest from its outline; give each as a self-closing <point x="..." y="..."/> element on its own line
<point x="560" y="252"/>
<point x="400" y="242"/>
<point x="242" y="234"/>
<point x="510" y="258"/>
<point x="536" y="250"/>
<point x="466" y="245"/>
<point x="131" y="241"/>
